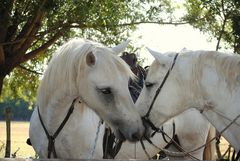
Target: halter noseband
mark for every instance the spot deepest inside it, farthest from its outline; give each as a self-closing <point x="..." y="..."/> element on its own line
<point x="146" y="116"/>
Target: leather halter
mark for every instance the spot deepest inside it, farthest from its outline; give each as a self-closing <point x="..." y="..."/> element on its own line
<point x="145" y="118"/>
<point x="111" y="145"/>
<point x="51" y="138"/>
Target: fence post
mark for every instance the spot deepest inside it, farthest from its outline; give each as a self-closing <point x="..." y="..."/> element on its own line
<point x="8" y="115"/>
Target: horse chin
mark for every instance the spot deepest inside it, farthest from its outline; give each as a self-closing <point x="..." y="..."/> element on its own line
<point x="121" y="137"/>
<point x="148" y="131"/>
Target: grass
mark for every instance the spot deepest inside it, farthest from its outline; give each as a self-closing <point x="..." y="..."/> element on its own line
<point x="19" y="135"/>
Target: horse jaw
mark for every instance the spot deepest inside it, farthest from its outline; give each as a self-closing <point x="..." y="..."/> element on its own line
<point x="163" y="59"/>
<point x="121" y="47"/>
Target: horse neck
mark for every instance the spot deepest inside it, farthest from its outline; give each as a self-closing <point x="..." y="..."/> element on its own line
<point x="217" y="100"/>
<point x="54" y="107"/>
<point x="213" y="92"/>
<point x="55" y="94"/>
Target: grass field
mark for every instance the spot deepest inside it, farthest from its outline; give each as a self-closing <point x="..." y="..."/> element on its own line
<point x="19" y="136"/>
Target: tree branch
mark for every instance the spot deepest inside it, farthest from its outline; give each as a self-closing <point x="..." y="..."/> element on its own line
<point x="29" y="70"/>
<point x="5" y="10"/>
<point x="30" y="37"/>
<point x="2" y="57"/>
<point x="225" y="15"/>
<point x="44" y="47"/>
<point x="153" y="22"/>
<point x="30" y="25"/>
<point x="13" y="28"/>
<point x="82" y="26"/>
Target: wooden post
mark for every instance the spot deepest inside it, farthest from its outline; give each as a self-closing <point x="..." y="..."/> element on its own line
<point x="8" y="115"/>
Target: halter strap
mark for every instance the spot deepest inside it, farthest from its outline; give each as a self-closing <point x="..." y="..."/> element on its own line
<point x="51" y="138"/>
<point x="173" y="133"/>
<point x="161" y="85"/>
<point x="146" y="116"/>
<point x="111" y="145"/>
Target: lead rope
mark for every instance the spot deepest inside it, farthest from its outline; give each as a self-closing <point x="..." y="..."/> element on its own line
<point x="188" y="153"/>
<point x="95" y="140"/>
<point x="178" y="154"/>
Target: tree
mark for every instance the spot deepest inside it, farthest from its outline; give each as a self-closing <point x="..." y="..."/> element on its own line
<point x="219" y="18"/>
<point x="31" y="29"/>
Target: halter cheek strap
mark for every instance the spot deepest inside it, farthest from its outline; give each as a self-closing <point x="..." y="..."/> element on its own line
<point x="51" y="138"/>
<point x="146" y="116"/>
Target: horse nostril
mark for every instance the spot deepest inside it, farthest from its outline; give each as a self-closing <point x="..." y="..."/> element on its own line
<point x="136" y="136"/>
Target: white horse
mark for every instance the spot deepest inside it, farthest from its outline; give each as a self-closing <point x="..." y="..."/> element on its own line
<point x="205" y="80"/>
<point x="82" y="72"/>
<point x="192" y="133"/>
<point x="192" y="130"/>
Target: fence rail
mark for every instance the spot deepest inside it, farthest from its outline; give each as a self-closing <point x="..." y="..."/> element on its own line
<point x="21" y="159"/>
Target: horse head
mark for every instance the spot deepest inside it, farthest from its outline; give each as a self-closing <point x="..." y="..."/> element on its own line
<point x="150" y="100"/>
<point x="99" y="78"/>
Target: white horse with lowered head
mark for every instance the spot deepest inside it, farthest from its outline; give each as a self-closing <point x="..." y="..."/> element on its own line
<point x="192" y="131"/>
<point x="208" y="81"/>
<point x="82" y="72"/>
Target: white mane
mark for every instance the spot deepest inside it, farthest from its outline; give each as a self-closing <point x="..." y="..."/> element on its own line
<point x="227" y="66"/>
<point x="66" y="69"/>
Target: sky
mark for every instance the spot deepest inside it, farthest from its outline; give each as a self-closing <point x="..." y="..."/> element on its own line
<point x="164" y="38"/>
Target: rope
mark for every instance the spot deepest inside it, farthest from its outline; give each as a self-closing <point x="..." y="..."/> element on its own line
<point x="95" y="140"/>
<point x="188" y="153"/>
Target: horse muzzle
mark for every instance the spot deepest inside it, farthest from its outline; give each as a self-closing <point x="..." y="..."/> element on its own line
<point x="149" y="128"/>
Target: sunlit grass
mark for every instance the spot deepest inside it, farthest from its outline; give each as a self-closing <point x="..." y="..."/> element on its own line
<point x="19" y="135"/>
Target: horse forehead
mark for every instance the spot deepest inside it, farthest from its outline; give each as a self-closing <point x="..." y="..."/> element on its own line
<point x="112" y="65"/>
<point x="110" y="74"/>
<point x="154" y="70"/>
<point x="109" y="71"/>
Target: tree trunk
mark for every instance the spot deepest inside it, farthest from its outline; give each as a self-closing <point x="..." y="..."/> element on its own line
<point x="1" y="84"/>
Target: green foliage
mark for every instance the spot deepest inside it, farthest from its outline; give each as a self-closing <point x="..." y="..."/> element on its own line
<point x="105" y="21"/>
<point x="21" y="84"/>
<point x="218" y="18"/>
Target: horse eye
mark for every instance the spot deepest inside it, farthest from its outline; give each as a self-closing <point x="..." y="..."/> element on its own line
<point x="148" y="84"/>
<point x="106" y="90"/>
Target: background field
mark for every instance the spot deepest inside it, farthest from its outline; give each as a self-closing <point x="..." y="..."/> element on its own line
<point x="19" y="136"/>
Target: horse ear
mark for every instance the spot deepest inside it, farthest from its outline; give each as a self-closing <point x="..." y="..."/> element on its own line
<point x="163" y="59"/>
<point x="90" y="59"/>
<point x="121" y="47"/>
